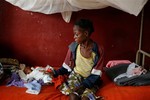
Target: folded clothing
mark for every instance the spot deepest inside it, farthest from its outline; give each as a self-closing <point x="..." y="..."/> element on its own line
<point x="126" y="75"/>
<point x="112" y="63"/>
<point x="132" y="70"/>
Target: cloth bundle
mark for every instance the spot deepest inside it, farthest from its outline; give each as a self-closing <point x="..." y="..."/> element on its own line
<point x="128" y="75"/>
<point x="132" y="70"/>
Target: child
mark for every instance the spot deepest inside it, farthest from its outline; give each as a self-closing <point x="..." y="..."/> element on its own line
<point x="31" y="78"/>
<point x="37" y="73"/>
<point x="83" y="64"/>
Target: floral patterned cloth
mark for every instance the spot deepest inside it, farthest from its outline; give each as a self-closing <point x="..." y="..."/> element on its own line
<point x="75" y="80"/>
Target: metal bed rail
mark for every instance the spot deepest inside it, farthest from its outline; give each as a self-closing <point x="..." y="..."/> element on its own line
<point x="141" y="55"/>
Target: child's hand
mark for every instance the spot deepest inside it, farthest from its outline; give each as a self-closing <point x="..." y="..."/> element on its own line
<point x="80" y="89"/>
<point x="50" y="73"/>
<point x="43" y="71"/>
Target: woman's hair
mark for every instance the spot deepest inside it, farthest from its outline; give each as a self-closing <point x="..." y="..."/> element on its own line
<point x="85" y="24"/>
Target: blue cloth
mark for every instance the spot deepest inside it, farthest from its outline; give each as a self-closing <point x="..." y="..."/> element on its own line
<point x="33" y="87"/>
<point x="15" y="80"/>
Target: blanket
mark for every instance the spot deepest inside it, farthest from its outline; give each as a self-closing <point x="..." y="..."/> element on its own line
<point x="135" y="80"/>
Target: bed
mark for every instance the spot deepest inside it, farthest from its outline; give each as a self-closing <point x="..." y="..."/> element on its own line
<point x="109" y="91"/>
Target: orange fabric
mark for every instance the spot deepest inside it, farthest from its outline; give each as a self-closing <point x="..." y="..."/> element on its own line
<point x="17" y="93"/>
<point x="109" y="91"/>
<point x="58" y="81"/>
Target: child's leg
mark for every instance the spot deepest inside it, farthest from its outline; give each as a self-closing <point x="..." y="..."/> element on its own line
<point x="73" y="96"/>
<point x="74" y="80"/>
<point x="89" y="94"/>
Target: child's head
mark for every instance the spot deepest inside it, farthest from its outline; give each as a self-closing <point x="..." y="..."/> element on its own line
<point x="26" y="69"/>
<point x="85" y="25"/>
<point x="83" y="28"/>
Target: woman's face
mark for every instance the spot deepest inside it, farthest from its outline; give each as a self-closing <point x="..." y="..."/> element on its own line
<point x="80" y="34"/>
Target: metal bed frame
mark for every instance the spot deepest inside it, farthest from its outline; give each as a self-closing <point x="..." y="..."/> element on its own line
<point x="140" y="55"/>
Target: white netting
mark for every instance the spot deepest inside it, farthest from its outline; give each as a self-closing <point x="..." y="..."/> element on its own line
<point x="65" y="7"/>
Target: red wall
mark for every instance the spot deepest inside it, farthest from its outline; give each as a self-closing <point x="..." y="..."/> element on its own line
<point x="39" y="39"/>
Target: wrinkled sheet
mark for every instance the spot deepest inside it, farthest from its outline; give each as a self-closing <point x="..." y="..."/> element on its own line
<point x="66" y="7"/>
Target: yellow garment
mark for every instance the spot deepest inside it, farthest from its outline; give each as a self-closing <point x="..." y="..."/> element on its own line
<point x="83" y="65"/>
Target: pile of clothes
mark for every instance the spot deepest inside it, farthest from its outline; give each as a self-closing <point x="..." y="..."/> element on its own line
<point x="13" y="73"/>
<point x="128" y="74"/>
<point x="32" y="81"/>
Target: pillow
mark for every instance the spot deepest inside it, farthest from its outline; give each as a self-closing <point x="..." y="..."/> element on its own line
<point x="112" y="63"/>
<point x="9" y="61"/>
<point x="9" y="65"/>
<point x="116" y="70"/>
